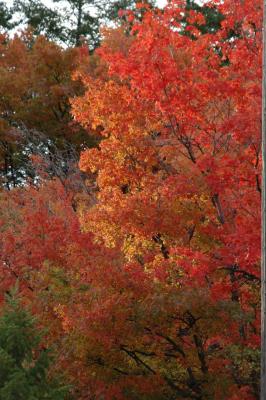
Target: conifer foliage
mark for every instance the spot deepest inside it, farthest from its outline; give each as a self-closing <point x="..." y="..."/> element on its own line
<point x="23" y="363"/>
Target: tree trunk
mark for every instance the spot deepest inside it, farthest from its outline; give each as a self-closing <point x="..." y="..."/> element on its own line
<point x="79" y="18"/>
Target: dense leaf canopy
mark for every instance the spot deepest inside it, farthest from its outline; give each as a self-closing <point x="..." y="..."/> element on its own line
<point x="144" y="262"/>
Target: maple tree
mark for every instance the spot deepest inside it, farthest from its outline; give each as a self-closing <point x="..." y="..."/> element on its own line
<point x="150" y="283"/>
<point x="181" y="135"/>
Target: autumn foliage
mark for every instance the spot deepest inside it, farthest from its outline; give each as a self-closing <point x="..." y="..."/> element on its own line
<point x="148" y="274"/>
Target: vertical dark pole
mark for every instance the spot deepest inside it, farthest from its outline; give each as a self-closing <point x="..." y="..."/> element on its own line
<point x="263" y="219"/>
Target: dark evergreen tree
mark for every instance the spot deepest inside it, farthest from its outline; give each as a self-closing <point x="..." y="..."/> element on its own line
<point x="23" y="363"/>
<point x="70" y="21"/>
<point x="5" y="17"/>
<point x="42" y="19"/>
<point x="212" y="16"/>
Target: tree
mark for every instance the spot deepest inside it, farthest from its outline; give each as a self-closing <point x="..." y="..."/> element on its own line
<point x="213" y="18"/>
<point x="42" y="19"/>
<point x="24" y="364"/>
<point x="184" y="150"/>
<point x="36" y="84"/>
<point x="149" y="278"/>
<point x="5" y="17"/>
<point x="73" y="21"/>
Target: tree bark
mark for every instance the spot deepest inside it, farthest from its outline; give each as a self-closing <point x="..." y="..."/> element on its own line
<point x="79" y="18"/>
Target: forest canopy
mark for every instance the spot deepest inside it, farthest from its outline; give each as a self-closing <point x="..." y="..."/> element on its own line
<point x="130" y="191"/>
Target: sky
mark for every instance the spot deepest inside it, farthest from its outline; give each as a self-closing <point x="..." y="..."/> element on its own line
<point x="161" y="3"/>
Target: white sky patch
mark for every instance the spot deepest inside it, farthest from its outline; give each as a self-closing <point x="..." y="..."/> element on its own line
<point x="161" y="3"/>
